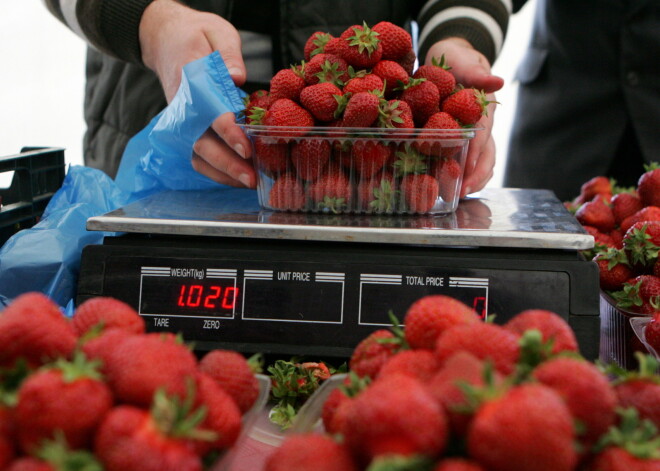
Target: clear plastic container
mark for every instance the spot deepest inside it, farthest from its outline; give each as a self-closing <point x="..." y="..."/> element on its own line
<point x="359" y="170"/>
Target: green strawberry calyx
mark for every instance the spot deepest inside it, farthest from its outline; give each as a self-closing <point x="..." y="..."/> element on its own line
<point x="638" y="437"/>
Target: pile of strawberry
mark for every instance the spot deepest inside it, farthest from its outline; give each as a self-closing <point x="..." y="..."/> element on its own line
<point x="362" y="79"/>
<point x="452" y="393"/>
<point x="625" y="224"/>
<point x="97" y="392"/>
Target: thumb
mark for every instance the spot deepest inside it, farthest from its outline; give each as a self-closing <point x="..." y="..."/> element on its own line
<point x="230" y="51"/>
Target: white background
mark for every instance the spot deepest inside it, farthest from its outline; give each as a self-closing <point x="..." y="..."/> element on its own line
<point x="42" y="67"/>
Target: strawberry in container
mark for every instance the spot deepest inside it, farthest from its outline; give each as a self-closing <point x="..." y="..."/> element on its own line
<point x="337" y="120"/>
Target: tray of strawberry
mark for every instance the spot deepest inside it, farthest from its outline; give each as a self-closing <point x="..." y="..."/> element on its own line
<point x="451" y="392"/>
<point x="353" y="129"/>
<point x="625" y="224"/>
<point x="95" y="392"/>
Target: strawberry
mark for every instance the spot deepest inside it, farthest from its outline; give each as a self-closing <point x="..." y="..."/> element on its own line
<point x="310" y="158"/>
<point x="395" y="114"/>
<point x="597" y="214"/>
<point x="467" y="105"/>
<point x="360" y="46"/>
<point x="285" y="112"/>
<point x="420" y="192"/>
<point x="234" y="374"/>
<point x="529" y="428"/>
<point x="423" y="97"/>
<point x="457" y="464"/>
<point x="438" y="73"/>
<point x="392" y="74"/>
<point x="310" y="452"/>
<point x="552" y="326"/>
<point x="333" y="46"/>
<point x="337" y="408"/>
<point x="332" y="191"/>
<point x="420" y="364"/>
<point x="639" y="294"/>
<point x="361" y="110"/>
<point x="600" y="239"/>
<point x="287" y="83"/>
<point x="613" y="269"/>
<point x="363" y="82"/>
<point x="395" y="41"/>
<point x="448" y="172"/>
<point x="372" y="352"/>
<point x="109" y="312"/>
<point x="287" y="193"/>
<point x="316" y="44"/>
<point x="428" y="317"/>
<point x="272" y="158"/>
<point x="409" y="421"/>
<point x="652" y="332"/>
<point x="141" y="364"/>
<point x="648" y="187"/>
<point x="640" y="389"/>
<point x="32" y="327"/>
<point x="586" y="391"/>
<point x="408" y="160"/>
<point x="447" y="386"/>
<point x="484" y="340"/>
<point x="377" y="193"/>
<point x="55" y="455"/>
<point x="69" y="397"/>
<point x="260" y="99"/>
<point x="326" y="68"/>
<point x="642" y="243"/>
<point x="595" y="186"/>
<point x="133" y="438"/>
<point x="322" y="100"/>
<point x="103" y="347"/>
<point x="369" y="157"/>
<point x="648" y="213"/>
<point x="624" y="205"/>
<point x="428" y="142"/>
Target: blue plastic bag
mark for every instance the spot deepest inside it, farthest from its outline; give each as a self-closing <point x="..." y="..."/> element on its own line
<point x="46" y="257"/>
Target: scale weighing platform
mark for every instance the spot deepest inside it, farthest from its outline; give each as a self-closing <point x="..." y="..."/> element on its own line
<point x="317" y="284"/>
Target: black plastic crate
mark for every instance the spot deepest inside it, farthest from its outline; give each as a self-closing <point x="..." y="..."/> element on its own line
<point x="38" y="174"/>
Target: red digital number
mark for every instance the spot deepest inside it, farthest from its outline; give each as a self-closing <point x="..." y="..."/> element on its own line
<point x="479" y="305"/>
<point x="199" y="295"/>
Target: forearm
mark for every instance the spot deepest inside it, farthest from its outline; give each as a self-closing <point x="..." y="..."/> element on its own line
<point x="111" y="26"/>
<point x="483" y="23"/>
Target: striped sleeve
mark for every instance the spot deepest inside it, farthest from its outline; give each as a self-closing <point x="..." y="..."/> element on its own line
<point x="482" y="22"/>
<point x="111" y="26"/>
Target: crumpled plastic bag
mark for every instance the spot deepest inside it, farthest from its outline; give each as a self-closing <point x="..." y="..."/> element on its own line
<point x="46" y="257"/>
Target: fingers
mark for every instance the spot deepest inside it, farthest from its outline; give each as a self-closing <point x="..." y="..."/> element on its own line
<point x="226" y="128"/>
<point x="214" y="158"/>
<point x="228" y="43"/>
<point x="479" y="165"/>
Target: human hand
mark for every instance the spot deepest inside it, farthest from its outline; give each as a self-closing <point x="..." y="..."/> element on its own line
<point x="171" y="36"/>
<point x="472" y="69"/>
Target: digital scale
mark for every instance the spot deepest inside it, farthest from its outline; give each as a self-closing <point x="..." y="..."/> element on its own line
<point x="316" y="284"/>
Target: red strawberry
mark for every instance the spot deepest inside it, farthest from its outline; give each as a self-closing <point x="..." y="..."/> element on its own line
<point x="285" y="112"/>
<point x="361" y="110"/>
<point x="69" y="398"/>
<point x="624" y="205"/>
<point x="419" y="364"/>
<point x="446" y="387"/>
<point x="421" y="429"/>
<point x="360" y="46"/>
<point x="377" y="193"/>
<point x="457" y="464"/>
<point x="420" y="192"/>
<point x="363" y="82"/>
<point x="639" y="294"/>
<point x="392" y="74"/>
<point x="142" y="364"/>
<point x="438" y="73"/>
<point x="133" y="438"/>
<point x="332" y="191"/>
<point x="333" y="46"/>
<point x="109" y="312"/>
<point x="372" y="352"/>
<point x="428" y="142"/>
<point x="648" y="213"/>
<point x="528" y="429"/>
<point x="233" y="373"/>
<point x="597" y="214"/>
<point x="424" y="99"/>
<point x="613" y="269"/>
<point x="103" y="347"/>
<point x="552" y="326"/>
<point x="586" y="391"/>
<point x="652" y="332"/>
<point x="395" y="41"/>
<point x="326" y="68"/>
<point x="395" y="114"/>
<point x="322" y="100"/>
<point x="310" y="158"/>
<point x="261" y="100"/>
<point x="467" y="105"/>
<point x="648" y="187"/>
<point x="604" y="240"/>
<point x="310" y="452"/>
<point x="287" y="193"/>
<point x="641" y="389"/>
<point x="642" y="243"/>
<point x="287" y="83"/>
<point x="430" y="316"/>
<point x="369" y="157"/>
<point x="448" y="172"/>
<point x="595" y="186"/>
<point x="272" y="158"/>
<point x="316" y="44"/>
<point x="33" y="327"/>
<point x="616" y="458"/>
<point x="484" y="340"/>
